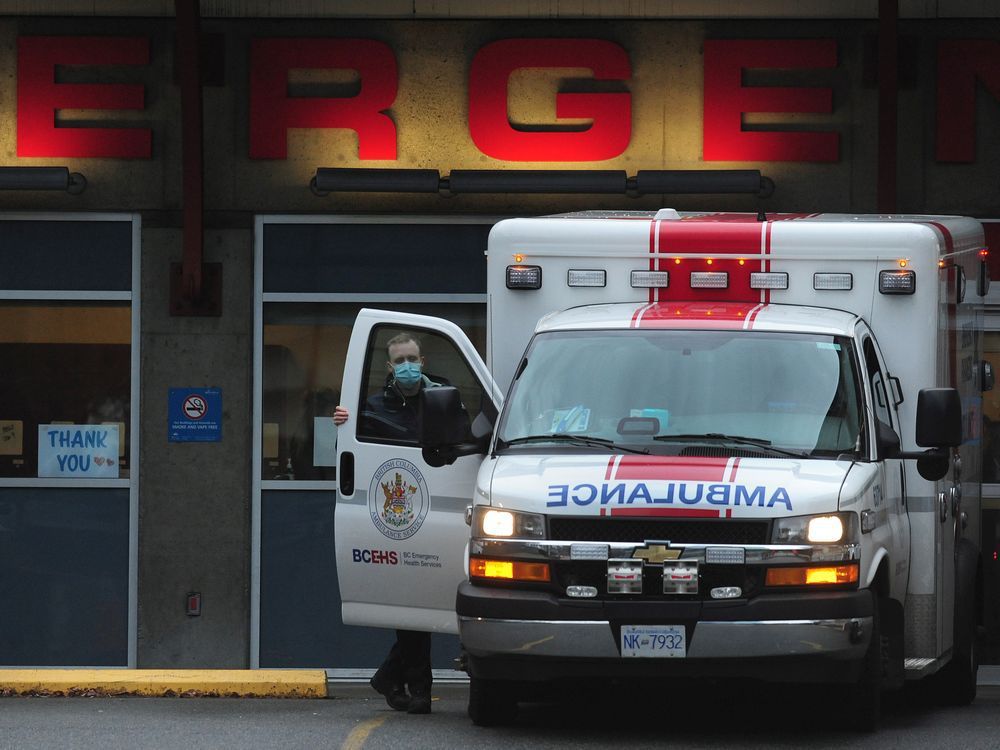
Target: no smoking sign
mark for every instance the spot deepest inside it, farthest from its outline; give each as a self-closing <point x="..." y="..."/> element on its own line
<point x="195" y="415"/>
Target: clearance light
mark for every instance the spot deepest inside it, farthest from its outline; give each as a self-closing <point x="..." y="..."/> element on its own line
<point x="508" y="570"/>
<point x="903" y="262"/>
<point x="709" y="280"/>
<point x="812" y="576"/>
<point x="742" y="262"/>
<point x="524" y="277"/>
<point x="677" y="261"/>
<point x="769" y="280"/>
<point x="832" y="281"/>
<point x="586" y="277"/>
<point x="650" y="279"/>
<point x="897" y="282"/>
<point x="518" y="258"/>
<point x="709" y="261"/>
<point x="940" y="264"/>
<point x="984" y="252"/>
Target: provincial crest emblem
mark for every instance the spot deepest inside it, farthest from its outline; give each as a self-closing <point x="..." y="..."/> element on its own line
<point x="398" y="500"/>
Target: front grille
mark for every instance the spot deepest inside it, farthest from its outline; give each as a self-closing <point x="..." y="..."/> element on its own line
<point x="674" y="530"/>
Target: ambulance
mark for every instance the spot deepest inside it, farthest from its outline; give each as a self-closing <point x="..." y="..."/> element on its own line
<point x="703" y="445"/>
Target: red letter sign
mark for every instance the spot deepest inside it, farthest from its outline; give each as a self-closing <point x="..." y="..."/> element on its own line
<point x="962" y="62"/>
<point x="39" y="97"/>
<point x="490" y="127"/>
<point x="726" y="99"/>
<point x="273" y="112"/>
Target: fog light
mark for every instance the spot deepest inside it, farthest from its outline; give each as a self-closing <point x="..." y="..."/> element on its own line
<point x="726" y="592"/>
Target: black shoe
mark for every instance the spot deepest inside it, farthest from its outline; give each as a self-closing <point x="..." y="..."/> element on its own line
<point x="395" y="695"/>
<point x="419" y="704"/>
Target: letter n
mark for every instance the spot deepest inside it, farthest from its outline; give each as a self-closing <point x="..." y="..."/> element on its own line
<point x="961" y="64"/>
<point x="726" y="100"/>
<point x="40" y="98"/>
<point x="273" y="112"/>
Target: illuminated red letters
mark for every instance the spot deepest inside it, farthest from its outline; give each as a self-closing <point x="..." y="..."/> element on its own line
<point x="491" y="130"/>
<point x="961" y="63"/>
<point x="727" y="99"/>
<point x="273" y="112"/>
<point x="39" y="97"/>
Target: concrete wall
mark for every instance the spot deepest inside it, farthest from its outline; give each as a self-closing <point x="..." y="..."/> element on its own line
<point x="194" y="507"/>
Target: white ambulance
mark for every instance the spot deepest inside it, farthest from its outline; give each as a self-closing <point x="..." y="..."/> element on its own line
<point x="731" y="445"/>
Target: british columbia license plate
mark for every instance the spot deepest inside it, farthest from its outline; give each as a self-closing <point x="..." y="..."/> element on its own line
<point x="654" y="641"/>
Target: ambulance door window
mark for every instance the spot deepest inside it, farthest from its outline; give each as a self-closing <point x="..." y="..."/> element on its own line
<point x="879" y="391"/>
<point x="399" y="364"/>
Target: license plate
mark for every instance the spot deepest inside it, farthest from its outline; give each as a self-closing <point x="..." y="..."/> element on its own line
<point x="654" y="641"/>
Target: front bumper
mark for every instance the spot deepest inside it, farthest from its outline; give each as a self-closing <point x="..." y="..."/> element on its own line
<point x="509" y="634"/>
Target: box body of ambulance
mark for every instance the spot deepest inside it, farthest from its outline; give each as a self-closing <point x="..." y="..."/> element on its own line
<point x="731" y="446"/>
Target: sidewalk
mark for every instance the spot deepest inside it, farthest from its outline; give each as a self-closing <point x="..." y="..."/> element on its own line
<point x="270" y="683"/>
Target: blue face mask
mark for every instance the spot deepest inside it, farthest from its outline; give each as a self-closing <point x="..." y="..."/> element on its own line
<point x="407" y="374"/>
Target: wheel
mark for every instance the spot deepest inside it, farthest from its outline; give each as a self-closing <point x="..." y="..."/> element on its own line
<point x="955" y="685"/>
<point x="491" y="703"/>
<point x="866" y="695"/>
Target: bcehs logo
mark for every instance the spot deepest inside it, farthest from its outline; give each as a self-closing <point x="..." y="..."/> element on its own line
<point x="398" y="500"/>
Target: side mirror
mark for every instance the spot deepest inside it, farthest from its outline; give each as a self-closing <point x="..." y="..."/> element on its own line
<point x="445" y="432"/>
<point x="444" y="419"/>
<point x="939" y="418"/>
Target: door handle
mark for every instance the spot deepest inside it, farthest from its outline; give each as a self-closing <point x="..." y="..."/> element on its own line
<point x="345" y="474"/>
<point x="942" y="507"/>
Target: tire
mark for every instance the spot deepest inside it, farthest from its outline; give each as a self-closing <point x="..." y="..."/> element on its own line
<point x="956" y="683"/>
<point x="866" y="695"/>
<point x="491" y="703"/>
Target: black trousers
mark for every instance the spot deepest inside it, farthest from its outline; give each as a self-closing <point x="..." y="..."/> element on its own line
<point x="409" y="661"/>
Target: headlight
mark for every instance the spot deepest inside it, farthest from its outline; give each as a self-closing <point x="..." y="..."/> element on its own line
<point x="829" y="528"/>
<point x="505" y="524"/>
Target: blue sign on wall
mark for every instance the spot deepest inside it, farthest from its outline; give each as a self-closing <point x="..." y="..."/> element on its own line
<point x="195" y="415"/>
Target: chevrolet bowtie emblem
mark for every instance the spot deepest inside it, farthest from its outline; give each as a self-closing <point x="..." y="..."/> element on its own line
<point x="656" y="553"/>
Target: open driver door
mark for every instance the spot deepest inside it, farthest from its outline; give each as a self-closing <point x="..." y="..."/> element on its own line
<point x="400" y="531"/>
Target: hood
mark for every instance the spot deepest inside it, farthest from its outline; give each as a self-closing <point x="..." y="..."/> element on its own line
<point x="667" y="485"/>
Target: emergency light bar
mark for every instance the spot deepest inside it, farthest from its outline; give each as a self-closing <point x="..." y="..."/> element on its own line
<point x="897" y="282"/>
<point x="650" y="279"/>
<point x="771" y="280"/>
<point x="825" y="282"/>
<point x="524" y="277"/>
<point x="586" y="277"/>
<point x="709" y="280"/>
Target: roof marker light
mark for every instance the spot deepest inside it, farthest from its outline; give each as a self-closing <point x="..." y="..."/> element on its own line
<point x="709" y="280"/>
<point x="770" y="280"/>
<point x="524" y="277"/>
<point x="832" y="281"/>
<point x="586" y="277"/>
<point x="650" y="279"/>
<point x="897" y="282"/>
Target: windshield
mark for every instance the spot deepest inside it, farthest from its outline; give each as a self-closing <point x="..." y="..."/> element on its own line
<point x="671" y="391"/>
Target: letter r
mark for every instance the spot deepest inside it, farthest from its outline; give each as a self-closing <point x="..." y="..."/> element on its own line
<point x="273" y="112"/>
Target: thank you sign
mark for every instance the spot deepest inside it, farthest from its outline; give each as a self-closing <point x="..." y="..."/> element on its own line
<point x="78" y="451"/>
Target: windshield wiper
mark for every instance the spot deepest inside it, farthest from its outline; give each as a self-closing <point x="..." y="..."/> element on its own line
<point x="738" y="439"/>
<point x="556" y="437"/>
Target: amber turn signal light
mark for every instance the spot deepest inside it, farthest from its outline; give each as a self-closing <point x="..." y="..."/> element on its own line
<point x="508" y="570"/>
<point x="809" y="576"/>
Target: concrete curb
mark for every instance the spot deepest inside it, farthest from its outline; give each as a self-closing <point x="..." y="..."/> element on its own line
<point x="244" y="683"/>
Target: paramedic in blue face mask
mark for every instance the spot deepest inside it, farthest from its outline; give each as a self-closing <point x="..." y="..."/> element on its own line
<point x="393" y="413"/>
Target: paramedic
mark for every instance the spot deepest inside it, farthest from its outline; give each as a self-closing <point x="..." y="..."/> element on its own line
<point x="392" y="414"/>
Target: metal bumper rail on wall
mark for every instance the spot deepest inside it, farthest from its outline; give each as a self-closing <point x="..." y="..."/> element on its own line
<point x="651" y="182"/>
